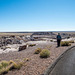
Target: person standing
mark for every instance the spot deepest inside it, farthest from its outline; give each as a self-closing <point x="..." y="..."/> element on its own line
<point x="58" y="40"/>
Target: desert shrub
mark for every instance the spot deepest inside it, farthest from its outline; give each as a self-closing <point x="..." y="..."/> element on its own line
<point x="4" y="63"/>
<point x="65" y="43"/>
<point x="72" y="41"/>
<point x="37" y="51"/>
<point x="1" y="66"/>
<point x="4" y="71"/>
<point x="51" y="40"/>
<point x="44" y="53"/>
<point x="8" y="47"/>
<point x="31" y="45"/>
<point x="27" y="59"/>
<point x="48" y="46"/>
<point x="15" y="65"/>
<point x="5" y="66"/>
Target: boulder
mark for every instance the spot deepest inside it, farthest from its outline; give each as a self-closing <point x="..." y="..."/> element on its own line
<point x="22" y="47"/>
<point x="9" y="41"/>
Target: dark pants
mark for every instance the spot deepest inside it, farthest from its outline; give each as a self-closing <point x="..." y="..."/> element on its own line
<point x="58" y="42"/>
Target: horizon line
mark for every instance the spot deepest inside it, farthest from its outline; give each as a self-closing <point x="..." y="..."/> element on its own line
<point x="32" y="31"/>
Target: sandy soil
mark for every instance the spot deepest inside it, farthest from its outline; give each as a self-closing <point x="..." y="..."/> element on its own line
<point x="16" y="34"/>
<point x="36" y="65"/>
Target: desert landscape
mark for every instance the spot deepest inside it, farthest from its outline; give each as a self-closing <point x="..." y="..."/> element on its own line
<point x="37" y="37"/>
<point x="31" y="53"/>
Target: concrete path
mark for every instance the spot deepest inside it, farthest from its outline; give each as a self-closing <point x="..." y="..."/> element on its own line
<point x="66" y="65"/>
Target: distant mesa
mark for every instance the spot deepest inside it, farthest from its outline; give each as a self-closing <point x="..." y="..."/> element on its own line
<point x="43" y="33"/>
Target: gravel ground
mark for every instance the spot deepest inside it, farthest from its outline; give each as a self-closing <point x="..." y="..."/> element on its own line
<point x="36" y="65"/>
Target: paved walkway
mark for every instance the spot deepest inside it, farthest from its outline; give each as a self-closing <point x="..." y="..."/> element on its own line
<point x="66" y="65"/>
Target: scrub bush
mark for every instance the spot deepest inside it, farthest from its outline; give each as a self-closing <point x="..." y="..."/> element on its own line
<point x="65" y="43"/>
<point x="44" y="53"/>
<point x="37" y="51"/>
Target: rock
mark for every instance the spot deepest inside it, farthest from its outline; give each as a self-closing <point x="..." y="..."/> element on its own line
<point x="22" y="47"/>
<point x="12" y="36"/>
<point x="9" y="41"/>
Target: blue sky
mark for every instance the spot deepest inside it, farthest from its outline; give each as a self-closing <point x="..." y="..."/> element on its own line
<point x="37" y="15"/>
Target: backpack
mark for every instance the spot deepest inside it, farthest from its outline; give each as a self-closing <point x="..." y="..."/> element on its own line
<point x="58" y="37"/>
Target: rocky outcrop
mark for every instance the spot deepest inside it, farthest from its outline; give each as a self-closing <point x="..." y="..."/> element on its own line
<point x="5" y="40"/>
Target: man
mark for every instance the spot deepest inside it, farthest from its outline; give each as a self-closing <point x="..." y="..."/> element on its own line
<point x="58" y="40"/>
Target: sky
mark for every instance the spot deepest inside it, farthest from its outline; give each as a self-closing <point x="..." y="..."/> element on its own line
<point x="37" y="15"/>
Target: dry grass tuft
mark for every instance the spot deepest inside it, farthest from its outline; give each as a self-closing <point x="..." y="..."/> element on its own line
<point x="5" y="66"/>
<point x="72" y="41"/>
<point x="44" y="53"/>
<point x="31" y="45"/>
<point x="65" y="43"/>
<point x="37" y="51"/>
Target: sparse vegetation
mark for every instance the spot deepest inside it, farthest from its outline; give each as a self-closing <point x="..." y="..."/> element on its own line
<point x="32" y="55"/>
<point x="1" y="66"/>
<point x="72" y="41"/>
<point x="65" y="43"/>
<point x="37" y="51"/>
<point x="5" y="66"/>
<point x="15" y="65"/>
<point x="27" y="59"/>
<point x="51" y="40"/>
<point x="44" y="53"/>
<point x="8" y="47"/>
<point x="4" y="71"/>
<point x="31" y="45"/>
<point x="48" y="46"/>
